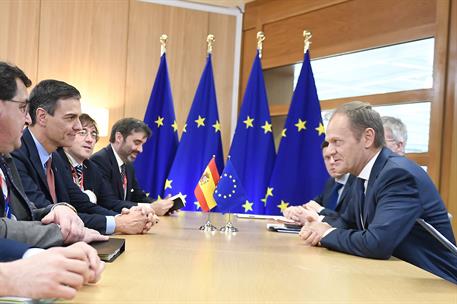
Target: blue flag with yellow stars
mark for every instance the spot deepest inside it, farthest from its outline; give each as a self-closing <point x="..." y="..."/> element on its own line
<point x="230" y="193"/>
<point x="153" y="164"/>
<point x="253" y="151"/>
<point x="201" y="139"/>
<point x="299" y="172"/>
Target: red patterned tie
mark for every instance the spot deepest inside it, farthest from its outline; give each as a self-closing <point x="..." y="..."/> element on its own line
<point x="50" y="179"/>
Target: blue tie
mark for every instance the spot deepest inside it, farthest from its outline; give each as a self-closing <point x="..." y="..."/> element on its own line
<point x="360" y="195"/>
<point x="333" y="201"/>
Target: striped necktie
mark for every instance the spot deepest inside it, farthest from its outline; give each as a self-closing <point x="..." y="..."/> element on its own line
<point x="79" y="173"/>
<point x="124" y="180"/>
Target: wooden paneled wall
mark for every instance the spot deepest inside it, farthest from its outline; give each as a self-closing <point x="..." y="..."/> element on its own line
<point x="110" y="50"/>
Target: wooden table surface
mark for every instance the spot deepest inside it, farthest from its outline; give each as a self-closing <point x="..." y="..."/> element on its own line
<point x="176" y="262"/>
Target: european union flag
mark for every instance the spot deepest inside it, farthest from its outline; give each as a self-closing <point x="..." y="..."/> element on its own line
<point x="201" y="139"/>
<point x="299" y="173"/>
<point x="153" y="164"/>
<point x="253" y="151"/>
<point x="230" y="193"/>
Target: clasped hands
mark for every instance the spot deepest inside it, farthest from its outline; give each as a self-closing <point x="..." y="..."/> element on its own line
<point x="313" y="228"/>
<point x="136" y="220"/>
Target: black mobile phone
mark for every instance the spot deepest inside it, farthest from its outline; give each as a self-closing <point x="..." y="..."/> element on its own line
<point x="178" y="203"/>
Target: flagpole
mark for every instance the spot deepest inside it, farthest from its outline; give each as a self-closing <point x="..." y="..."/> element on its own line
<point x="307" y="36"/>
<point x="260" y="39"/>
<point x="163" y="44"/>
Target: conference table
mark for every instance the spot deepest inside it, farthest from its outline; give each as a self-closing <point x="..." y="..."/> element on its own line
<point x="177" y="263"/>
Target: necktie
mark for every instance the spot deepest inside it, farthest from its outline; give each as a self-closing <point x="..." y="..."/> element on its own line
<point x="5" y="194"/>
<point x="79" y="175"/>
<point x="360" y="194"/>
<point x="124" y="180"/>
<point x="333" y="201"/>
<point x="50" y="179"/>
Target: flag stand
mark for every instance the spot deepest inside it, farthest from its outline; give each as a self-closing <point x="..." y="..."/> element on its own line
<point x="228" y="228"/>
<point x="208" y="226"/>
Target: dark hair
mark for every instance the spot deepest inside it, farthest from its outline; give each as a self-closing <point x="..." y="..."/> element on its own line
<point x="46" y="94"/>
<point x="324" y="144"/>
<point x="361" y="116"/>
<point x="127" y="126"/>
<point x="87" y="121"/>
<point x="8" y="75"/>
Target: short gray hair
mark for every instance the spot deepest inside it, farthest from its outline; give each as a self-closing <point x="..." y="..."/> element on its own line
<point x="398" y="128"/>
<point x="362" y="116"/>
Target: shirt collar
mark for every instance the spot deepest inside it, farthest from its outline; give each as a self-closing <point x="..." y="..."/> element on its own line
<point x="72" y="161"/>
<point x="118" y="159"/>
<point x="42" y="153"/>
<point x="366" y="171"/>
<point x="342" y="179"/>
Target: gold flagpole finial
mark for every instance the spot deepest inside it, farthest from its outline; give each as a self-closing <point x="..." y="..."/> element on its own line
<point x="163" y="44"/>
<point x="210" y="40"/>
<point x="260" y="39"/>
<point x="307" y="35"/>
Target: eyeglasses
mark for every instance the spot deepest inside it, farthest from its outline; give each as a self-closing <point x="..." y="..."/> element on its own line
<point x="23" y="105"/>
<point x="85" y="132"/>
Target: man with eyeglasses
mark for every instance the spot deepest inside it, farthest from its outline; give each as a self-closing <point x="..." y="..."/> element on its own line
<point x="86" y="174"/>
<point x="54" y="111"/>
<point x="395" y="134"/>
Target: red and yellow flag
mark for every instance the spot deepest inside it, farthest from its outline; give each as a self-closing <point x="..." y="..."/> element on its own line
<point x="206" y="185"/>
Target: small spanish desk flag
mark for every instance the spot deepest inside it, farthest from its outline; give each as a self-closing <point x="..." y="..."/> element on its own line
<point x="206" y="185"/>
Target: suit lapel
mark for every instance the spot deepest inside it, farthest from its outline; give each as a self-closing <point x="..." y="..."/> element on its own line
<point x="34" y="157"/>
<point x="115" y="172"/>
<point x="370" y="204"/>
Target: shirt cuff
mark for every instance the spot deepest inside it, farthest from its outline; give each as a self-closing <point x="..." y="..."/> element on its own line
<point x="110" y="224"/>
<point x="91" y="195"/>
<point x="31" y="252"/>
<point x="327" y="232"/>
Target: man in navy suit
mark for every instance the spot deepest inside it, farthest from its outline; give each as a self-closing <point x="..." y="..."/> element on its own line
<point x="20" y="220"/>
<point x="333" y="200"/>
<point x="86" y="174"/>
<point x="115" y="162"/>
<point x="54" y="110"/>
<point x="389" y="195"/>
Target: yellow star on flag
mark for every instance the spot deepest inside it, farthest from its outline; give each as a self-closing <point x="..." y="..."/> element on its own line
<point x="197" y="205"/>
<point x="301" y="125"/>
<point x="248" y="122"/>
<point x="283" y="133"/>
<point x="266" y="127"/>
<point x="247" y="206"/>
<point x="175" y="126"/>
<point x="159" y="121"/>
<point x="217" y="126"/>
<point x="158" y="197"/>
<point x="200" y="121"/>
<point x="283" y="205"/>
<point x="168" y="184"/>
<point x="269" y="191"/>
<point x="184" y="128"/>
<point x="320" y="129"/>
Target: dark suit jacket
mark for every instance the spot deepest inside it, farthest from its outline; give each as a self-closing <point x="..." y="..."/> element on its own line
<point x="27" y="227"/>
<point x="107" y="164"/>
<point x="36" y="188"/>
<point x="94" y="182"/>
<point x="345" y="197"/>
<point x="11" y="250"/>
<point x="398" y="193"/>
